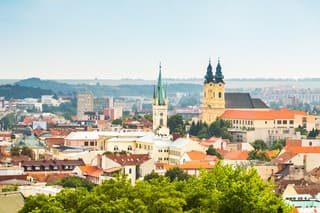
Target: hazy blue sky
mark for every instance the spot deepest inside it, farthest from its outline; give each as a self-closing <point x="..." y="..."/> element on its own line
<point x="127" y="39"/>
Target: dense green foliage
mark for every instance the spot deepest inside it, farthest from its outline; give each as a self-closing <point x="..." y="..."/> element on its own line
<point x="20" y="92"/>
<point x="75" y="182"/>
<point x="8" y="121"/>
<point x="176" y="124"/>
<point x="212" y="151"/>
<point x="67" y="109"/>
<point x="278" y="144"/>
<point x="259" y="145"/>
<point x="223" y="189"/>
<point x="176" y="174"/>
<point x="16" y="151"/>
<point x="117" y="121"/>
<point x="219" y="128"/>
<point x="258" y="155"/>
<point x="302" y="130"/>
<point x="313" y="133"/>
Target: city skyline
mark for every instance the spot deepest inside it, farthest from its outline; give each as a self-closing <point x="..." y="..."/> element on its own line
<point x="128" y="39"/>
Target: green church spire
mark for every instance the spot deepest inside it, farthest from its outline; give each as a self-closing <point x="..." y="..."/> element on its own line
<point x="209" y="78"/>
<point x="219" y="77"/>
<point x="160" y="92"/>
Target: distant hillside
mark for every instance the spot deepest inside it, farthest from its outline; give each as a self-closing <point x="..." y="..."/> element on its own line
<point x="57" y="87"/>
<point x="19" y="92"/>
<point x="105" y="90"/>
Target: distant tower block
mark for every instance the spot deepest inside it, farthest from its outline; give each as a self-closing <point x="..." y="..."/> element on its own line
<point x="84" y="104"/>
<point x="213" y="95"/>
<point x="160" y="107"/>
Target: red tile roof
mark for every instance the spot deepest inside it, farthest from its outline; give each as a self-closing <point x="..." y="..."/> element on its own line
<point x="91" y="170"/>
<point x="293" y="142"/>
<point x="129" y="159"/>
<point x="284" y="157"/>
<point x="297" y="149"/>
<point x="262" y="115"/>
<point x="236" y="155"/>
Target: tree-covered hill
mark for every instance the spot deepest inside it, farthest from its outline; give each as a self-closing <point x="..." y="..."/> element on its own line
<point x="19" y="92"/>
<point x="106" y="90"/>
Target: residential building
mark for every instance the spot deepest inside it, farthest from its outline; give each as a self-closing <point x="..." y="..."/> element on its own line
<point x="135" y="166"/>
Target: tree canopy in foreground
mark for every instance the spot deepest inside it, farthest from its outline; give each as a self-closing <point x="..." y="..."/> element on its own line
<point x="223" y="189"/>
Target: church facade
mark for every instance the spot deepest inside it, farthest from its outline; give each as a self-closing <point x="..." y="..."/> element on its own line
<point x="216" y="101"/>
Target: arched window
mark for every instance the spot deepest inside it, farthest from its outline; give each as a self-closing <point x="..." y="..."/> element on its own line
<point x="129" y="148"/>
<point x="115" y="148"/>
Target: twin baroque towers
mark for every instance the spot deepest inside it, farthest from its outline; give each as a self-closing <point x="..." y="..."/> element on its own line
<point x="213" y="100"/>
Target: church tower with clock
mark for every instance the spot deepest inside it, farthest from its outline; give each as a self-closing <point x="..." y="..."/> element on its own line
<point x="213" y="95"/>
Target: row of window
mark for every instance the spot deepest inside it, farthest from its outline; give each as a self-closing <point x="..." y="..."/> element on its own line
<point x="165" y="150"/>
<point x="245" y="122"/>
<point x="145" y="146"/>
<point x="291" y="122"/>
<point x="48" y="168"/>
<point x="116" y="148"/>
<point x="160" y="159"/>
<point x="92" y="143"/>
<point x="213" y="94"/>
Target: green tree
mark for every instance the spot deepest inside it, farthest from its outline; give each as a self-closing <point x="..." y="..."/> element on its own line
<point x="259" y="145"/>
<point x="151" y="176"/>
<point x="15" y="151"/>
<point x="278" y="144"/>
<point x="176" y="124"/>
<point x="258" y="155"/>
<point x="27" y="151"/>
<point x="302" y="130"/>
<point x="8" y="121"/>
<point x="212" y="151"/>
<point x="117" y="121"/>
<point x="223" y="189"/>
<point x="148" y="117"/>
<point x="313" y="133"/>
<point x="74" y="182"/>
<point x="176" y="174"/>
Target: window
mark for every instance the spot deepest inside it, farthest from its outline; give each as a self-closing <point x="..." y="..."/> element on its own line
<point x="92" y="143"/>
<point x="284" y="121"/>
<point x="291" y="122"/>
<point x="86" y="143"/>
<point x="139" y="146"/>
<point x="161" y="122"/>
<point x="220" y="94"/>
<point x="310" y="143"/>
<point x="130" y="170"/>
<point x="278" y="121"/>
<point x="265" y="122"/>
<point x="129" y="148"/>
<point x="115" y="148"/>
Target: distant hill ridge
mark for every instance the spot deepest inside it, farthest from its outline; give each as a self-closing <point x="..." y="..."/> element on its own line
<point x="106" y="90"/>
<point x="20" y="92"/>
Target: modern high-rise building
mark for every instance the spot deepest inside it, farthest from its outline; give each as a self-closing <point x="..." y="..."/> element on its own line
<point x="101" y="103"/>
<point x="160" y="108"/>
<point x="84" y="104"/>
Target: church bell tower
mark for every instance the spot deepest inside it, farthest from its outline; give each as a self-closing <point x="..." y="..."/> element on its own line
<point x="213" y="95"/>
<point x="160" y="107"/>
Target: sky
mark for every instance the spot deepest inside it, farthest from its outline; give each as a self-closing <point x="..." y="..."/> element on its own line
<point x="77" y="39"/>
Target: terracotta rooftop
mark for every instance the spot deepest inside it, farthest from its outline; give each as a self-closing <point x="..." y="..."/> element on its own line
<point x="307" y="149"/>
<point x="293" y="142"/>
<point x="236" y="155"/>
<point x="262" y="115"/>
<point x="91" y="170"/>
<point x="129" y="159"/>
<point x="284" y="157"/>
